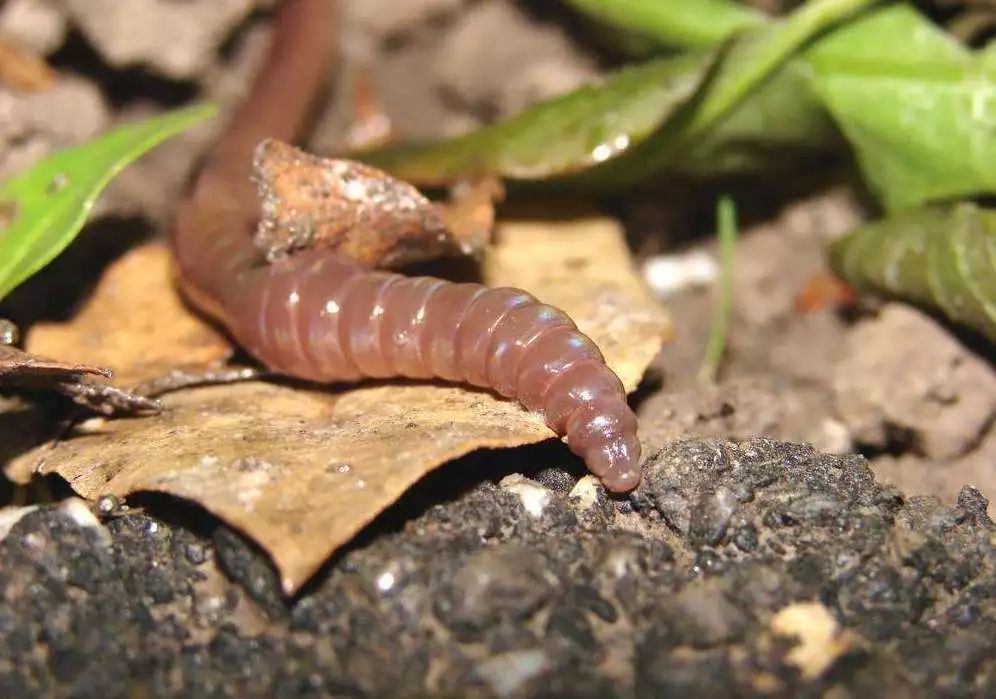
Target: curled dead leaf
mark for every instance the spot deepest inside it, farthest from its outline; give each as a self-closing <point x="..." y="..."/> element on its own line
<point x="25" y="370"/>
<point x="352" y="208"/>
<point x="301" y="470"/>
<point x="15" y="364"/>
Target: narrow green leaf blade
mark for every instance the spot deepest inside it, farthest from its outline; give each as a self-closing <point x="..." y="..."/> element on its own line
<point x="726" y="233"/>
<point x="49" y="203"/>
<point x="683" y="23"/>
<point x="942" y="258"/>
<point x="560" y="136"/>
<point x="917" y="106"/>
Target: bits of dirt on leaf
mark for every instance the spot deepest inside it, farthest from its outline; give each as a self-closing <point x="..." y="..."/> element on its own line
<point x="58" y="182"/>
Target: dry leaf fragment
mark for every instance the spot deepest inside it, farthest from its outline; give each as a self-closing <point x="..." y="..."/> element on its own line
<point x="19" y="368"/>
<point x="370" y="126"/>
<point x="470" y="212"/>
<point x="134" y="323"/>
<point x="824" y="291"/>
<point x="108" y="399"/>
<point x="301" y="470"/>
<point x="210" y="375"/>
<point x="15" y="364"/>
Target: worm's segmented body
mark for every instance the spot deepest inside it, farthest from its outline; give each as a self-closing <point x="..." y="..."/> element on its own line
<point x="320" y="316"/>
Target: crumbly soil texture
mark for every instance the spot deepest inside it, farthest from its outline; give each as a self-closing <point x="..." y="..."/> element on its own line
<point x="815" y="523"/>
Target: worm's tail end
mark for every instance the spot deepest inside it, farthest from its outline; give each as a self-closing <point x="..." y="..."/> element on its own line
<point x="507" y="340"/>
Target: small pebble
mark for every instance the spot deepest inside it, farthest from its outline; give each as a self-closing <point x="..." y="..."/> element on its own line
<point x="669" y="275"/>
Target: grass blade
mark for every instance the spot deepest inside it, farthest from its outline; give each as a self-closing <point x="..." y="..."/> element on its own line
<point x="726" y="227"/>
<point x="47" y="206"/>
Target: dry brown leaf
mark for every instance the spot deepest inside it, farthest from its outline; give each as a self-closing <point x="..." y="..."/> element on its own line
<point x="134" y="323"/>
<point x="370" y="126"/>
<point x="470" y="212"/>
<point x="15" y="364"/>
<point x="352" y="208"/>
<point x="24" y="370"/>
<point x="302" y="470"/>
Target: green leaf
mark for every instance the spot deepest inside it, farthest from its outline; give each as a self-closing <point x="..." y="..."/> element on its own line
<point x="942" y="258"/>
<point x="777" y="126"/>
<point x="560" y="136"/>
<point x="746" y="63"/>
<point x="43" y="209"/>
<point x="755" y="54"/>
<point x="918" y="107"/>
<point x="640" y="121"/>
<point x="779" y="122"/>
<point x="684" y="23"/>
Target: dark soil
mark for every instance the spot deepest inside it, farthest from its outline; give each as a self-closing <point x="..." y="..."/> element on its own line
<point x="475" y="586"/>
<point x="669" y="594"/>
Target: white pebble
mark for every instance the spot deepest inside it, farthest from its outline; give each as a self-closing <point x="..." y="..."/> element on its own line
<point x="669" y="275"/>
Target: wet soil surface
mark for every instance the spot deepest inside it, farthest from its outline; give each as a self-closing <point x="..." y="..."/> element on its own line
<point x="743" y="566"/>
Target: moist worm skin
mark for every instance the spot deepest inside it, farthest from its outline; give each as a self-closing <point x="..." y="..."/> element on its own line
<point x="323" y="317"/>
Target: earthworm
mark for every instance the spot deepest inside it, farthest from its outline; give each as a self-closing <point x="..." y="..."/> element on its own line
<point x="321" y="316"/>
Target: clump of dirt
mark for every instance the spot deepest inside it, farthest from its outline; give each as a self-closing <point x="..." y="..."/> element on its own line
<point x="929" y="386"/>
